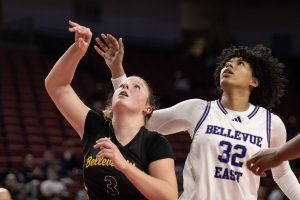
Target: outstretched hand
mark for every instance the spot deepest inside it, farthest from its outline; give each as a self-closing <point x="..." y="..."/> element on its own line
<point x="83" y="35"/>
<point x="262" y="161"/>
<point x="112" y="51"/>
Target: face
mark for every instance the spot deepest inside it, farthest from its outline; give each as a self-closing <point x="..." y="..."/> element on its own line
<point x="132" y="94"/>
<point x="237" y="73"/>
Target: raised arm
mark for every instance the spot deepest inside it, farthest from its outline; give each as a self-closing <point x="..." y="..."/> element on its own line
<point x="58" y="80"/>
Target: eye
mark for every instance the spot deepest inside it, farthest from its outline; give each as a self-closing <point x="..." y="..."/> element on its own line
<point x="137" y="86"/>
<point x="240" y="62"/>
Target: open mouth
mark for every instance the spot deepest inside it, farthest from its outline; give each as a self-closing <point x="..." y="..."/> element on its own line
<point x="227" y="71"/>
<point x="123" y="93"/>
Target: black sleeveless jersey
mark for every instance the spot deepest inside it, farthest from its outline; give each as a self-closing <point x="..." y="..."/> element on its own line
<point x="102" y="180"/>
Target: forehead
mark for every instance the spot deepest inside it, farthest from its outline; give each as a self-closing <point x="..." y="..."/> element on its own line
<point x="235" y="59"/>
<point x="136" y="80"/>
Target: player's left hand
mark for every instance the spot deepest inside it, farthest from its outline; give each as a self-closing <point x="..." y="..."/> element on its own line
<point x="262" y="161"/>
<point x="109" y="150"/>
<point x="112" y="50"/>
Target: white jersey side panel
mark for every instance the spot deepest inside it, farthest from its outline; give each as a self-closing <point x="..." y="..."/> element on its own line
<point x="223" y="141"/>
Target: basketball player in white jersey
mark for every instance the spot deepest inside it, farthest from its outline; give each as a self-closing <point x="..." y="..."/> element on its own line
<point x="226" y="132"/>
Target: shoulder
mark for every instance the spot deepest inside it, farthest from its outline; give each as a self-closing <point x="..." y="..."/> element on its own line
<point x="278" y="131"/>
<point x="154" y="139"/>
<point x="195" y="102"/>
<point x="153" y="136"/>
<point x="189" y="106"/>
<point x="276" y="121"/>
<point x="93" y="122"/>
<point x="157" y="146"/>
<point x="94" y="117"/>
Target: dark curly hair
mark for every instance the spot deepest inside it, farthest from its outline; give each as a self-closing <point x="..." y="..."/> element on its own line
<point x="267" y="69"/>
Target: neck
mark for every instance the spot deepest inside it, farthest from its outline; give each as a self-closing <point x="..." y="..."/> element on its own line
<point x="236" y="101"/>
<point x="126" y="126"/>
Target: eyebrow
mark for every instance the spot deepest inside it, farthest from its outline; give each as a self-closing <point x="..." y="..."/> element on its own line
<point x="134" y="82"/>
<point x="237" y="58"/>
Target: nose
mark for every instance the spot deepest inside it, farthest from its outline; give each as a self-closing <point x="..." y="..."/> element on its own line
<point x="228" y="64"/>
<point x="125" y="85"/>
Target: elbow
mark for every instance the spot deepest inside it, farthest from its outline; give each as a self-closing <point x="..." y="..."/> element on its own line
<point x="48" y="85"/>
<point x="171" y="195"/>
<point x="174" y="195"/>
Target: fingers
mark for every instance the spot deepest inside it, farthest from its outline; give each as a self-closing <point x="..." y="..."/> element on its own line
<point x="107" y="148"/>
<point x="104" y="143"/>
<point x="82" y="31"/>
<point x="99" y="51"/>
<point x="121" y="45"/>
<point x="72" y="24"/>
<point x="107" y="153"/>
<point x="256" y="167"/>
<point x="101" y="44"/>
<point x="113" y="42"/>
<point x="109" y="46"/>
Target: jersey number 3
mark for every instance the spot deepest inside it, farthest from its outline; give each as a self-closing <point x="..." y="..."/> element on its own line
<point x="111" y="185"/>
<point x="232" y="154"/>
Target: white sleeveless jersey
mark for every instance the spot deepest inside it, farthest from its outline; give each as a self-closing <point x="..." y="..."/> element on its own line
<point x="223" y="141"/>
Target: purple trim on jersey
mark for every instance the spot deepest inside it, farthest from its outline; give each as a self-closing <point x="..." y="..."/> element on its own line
<point x="269" y="128"/>
<point x="206" y="111"/>
<point x="253" y="112"/>
<point x="221" y="106"/>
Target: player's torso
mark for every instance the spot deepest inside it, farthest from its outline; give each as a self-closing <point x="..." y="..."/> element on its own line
<point x="102" y="179"/>
<point x="216" y="165"/>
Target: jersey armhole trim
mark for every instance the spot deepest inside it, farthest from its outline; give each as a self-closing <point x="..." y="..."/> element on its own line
<point x="203" y="117"/>
<point x="269" y="128"/>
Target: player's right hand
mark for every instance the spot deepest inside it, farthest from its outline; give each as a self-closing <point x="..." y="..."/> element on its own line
<point x="83" y="35"/>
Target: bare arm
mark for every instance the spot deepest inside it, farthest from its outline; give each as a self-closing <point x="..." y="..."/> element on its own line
<point x="289" y="151"/>
<point x="270" y="158"/>
<point x="160" y="183"/>
<point x="283" y="174"/>
<point x="58" y="80"/>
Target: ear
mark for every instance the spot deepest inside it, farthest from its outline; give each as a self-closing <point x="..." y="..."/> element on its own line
<point x="254" y="82"/>
<point x="147" y="110"/>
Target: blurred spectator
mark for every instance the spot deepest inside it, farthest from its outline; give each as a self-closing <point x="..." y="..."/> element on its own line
<point x="82" y="195"/>
<point x="181" y="83"/>
<point x="69" y="162"/>
<point x="4" y="194"/>
<point x="49" y="160"/>
<point x="30" y="171"/>
<point x="15" y="188"/>
<point x="53" y="187"/>
<point x="276" y="194"/>
<point x="31" y="175"/>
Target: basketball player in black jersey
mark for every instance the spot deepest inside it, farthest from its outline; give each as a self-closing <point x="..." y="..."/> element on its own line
<point x="122" y="159"/>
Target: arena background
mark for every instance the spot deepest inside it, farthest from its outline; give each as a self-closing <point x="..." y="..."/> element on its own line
<point x="172" y="44"/>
